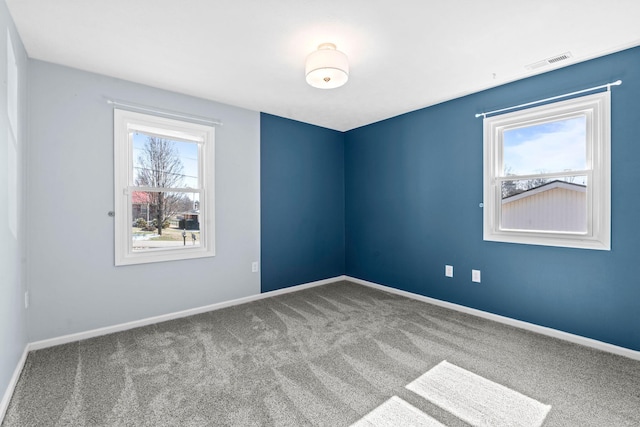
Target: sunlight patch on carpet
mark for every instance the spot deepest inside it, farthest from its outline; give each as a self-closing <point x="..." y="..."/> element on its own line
<point x="477" y="400"/>
<point x="396" y="412"/>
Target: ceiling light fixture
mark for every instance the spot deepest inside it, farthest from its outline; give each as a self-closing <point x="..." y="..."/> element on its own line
<point x="327" y="67"/>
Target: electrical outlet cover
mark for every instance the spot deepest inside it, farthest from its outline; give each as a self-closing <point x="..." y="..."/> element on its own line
<point x="475" y="276"/>
<point x="448" y="270"/>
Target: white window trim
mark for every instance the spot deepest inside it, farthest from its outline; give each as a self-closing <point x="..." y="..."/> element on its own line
<point x="125" y="122"/>
<point x="597" y="107"/>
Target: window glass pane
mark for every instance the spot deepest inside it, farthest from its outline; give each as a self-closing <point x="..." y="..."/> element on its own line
<point x="162" y="162"/>
<point x="558" y="204"/>
<point x="162" y="192"/>
<point x="179" y="214"/>
<point x="556" y="146"/>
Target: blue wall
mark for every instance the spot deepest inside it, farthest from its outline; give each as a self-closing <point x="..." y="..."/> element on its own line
<point x="413" y="186"/>
<point x="302" y="202"/>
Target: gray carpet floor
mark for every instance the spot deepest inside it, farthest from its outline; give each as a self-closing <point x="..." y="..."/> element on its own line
<point x="322" y="356"/>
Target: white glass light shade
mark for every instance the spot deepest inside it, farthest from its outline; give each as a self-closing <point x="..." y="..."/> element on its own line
<point x="327" y="68"/>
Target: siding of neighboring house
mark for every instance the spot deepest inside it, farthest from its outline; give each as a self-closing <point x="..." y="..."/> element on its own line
<point x="554" y="207"/>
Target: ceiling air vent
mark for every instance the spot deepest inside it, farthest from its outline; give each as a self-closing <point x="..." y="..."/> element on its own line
<point x="548" y="61"/>
<point x="559" y="58"/>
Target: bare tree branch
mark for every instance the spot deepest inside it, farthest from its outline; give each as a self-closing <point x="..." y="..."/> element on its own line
<point x="159" y="165"/>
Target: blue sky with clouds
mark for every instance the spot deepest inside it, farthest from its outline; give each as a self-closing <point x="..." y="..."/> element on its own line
<point x="548" y="147"/>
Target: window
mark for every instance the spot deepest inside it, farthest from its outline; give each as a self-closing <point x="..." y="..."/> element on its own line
<point x="164" y="197"/>
<point x="547" y="175"/>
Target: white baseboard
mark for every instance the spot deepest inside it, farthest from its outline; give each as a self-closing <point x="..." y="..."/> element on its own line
<point x="6" y="398"/>
<point x="37" y="345"/>
<point x="577" y="339"/>
<point x="543" y="330"/>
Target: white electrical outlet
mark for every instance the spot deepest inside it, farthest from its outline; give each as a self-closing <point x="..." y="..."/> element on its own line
<point x="254" y="267"/>
<point x="26" y="299"/>
<point x="448" y="270"/>
<point x="475" y="276"/>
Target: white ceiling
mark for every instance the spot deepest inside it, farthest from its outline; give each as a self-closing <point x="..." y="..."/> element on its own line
<point x="404" y="54"/>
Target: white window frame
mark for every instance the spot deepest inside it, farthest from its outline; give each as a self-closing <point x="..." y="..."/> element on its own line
<point x="597" y="109"/>
<point x="125" y="124"/>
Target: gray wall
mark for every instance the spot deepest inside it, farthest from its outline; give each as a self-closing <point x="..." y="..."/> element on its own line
<point x="73" y="282"/>
<point x="13" y="329"/>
